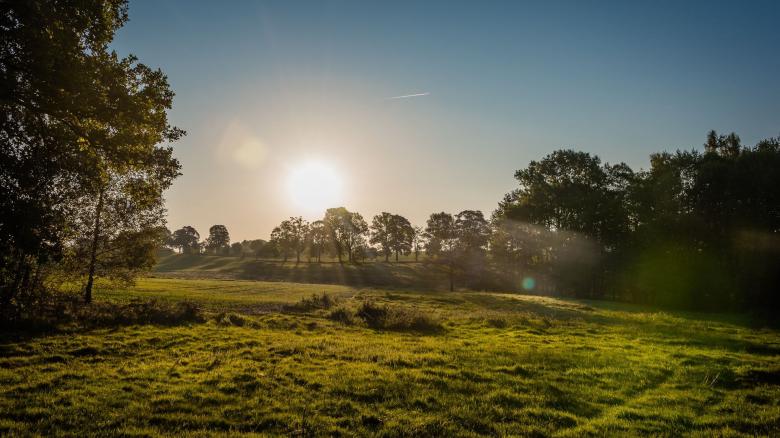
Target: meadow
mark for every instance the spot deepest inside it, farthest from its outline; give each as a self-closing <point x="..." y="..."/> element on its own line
<point x="270" y="360"/>
<point x="405" y="274"/>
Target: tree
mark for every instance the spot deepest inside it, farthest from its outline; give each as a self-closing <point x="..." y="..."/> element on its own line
<point x="186" y="239"/>
<point x="346" y="231"/>
<point x="440" y="230"/>
<point x="237" y="249"/>
<point x="585" y="203"/>
<point x="418" y="242"/>
<point x="66" y="139"/>
<point x="167" y="238"/>
<point x="443" y="242"/>
<point x="472" y="231"/>
<point x="317" y="239"/>
<point x="401" y="235"/>
<point x="218" y="241"/>
<point x="290" y="237"/>
<point x="129" y="233"/>
<point x="281" y="240"/>
<point x="381" y="230"/>
<point x="259" y="247"/>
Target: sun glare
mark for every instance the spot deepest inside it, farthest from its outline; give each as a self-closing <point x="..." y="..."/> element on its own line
<point x="314" y="186"/>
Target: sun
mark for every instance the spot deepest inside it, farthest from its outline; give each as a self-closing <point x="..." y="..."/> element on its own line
<point x="314" y="187"/>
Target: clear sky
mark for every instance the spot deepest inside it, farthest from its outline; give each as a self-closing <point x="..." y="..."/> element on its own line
<point x="275" y="94"/>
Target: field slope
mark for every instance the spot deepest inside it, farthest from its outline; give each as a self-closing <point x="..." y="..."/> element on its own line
<point x="406" y="274"/>
<point x="501" y="364"/>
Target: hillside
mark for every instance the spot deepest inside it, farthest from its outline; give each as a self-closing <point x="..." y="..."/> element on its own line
<point x="404" y="274"/>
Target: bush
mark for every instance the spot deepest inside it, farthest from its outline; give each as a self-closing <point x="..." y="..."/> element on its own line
<point x="373" y="314"/>
<point x="397" y="318"/>
<point x="342" y="315"/>
<point x="314" y="302"/>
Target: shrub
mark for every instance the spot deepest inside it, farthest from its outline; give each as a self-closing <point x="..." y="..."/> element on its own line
<point x="314" y="302"/>
<point x="373" y="314"/>
<point x="342" y="315"/>
<point x="397" y="318"/>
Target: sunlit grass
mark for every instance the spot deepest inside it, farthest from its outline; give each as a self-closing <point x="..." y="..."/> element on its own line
<point x="502" y="365"/>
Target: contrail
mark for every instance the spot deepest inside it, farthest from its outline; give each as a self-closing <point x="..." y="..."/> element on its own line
<point x="408" y="95"/>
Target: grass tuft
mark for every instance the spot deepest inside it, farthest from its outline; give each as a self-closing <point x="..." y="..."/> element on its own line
<point x="397" y="318"/>
<point x="314" y="302"/>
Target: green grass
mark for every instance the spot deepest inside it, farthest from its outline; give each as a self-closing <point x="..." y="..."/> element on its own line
<point x="404" y="274"/>
<point x="502" y="365"/>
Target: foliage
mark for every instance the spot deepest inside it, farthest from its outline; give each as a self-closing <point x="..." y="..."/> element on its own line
<point x="82" y="168"/>
<point x="218" y="241"/>
<point x="396" y="318"/>
<point x="696" y="230"/>
<point x="290" y="237"/>
<point x="346" y="231"/>
<point x="392" y="233"/>
<point x="314" y="302"/>
<point x="317" y="239"/>
<point x="187" y="239"/>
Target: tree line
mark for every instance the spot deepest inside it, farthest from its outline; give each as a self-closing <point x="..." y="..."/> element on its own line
<point x="696" y="230"/>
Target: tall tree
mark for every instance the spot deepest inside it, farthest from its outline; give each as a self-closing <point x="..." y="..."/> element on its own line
<point x="186" y="239"/>
<point x="443" y="242"/>
<point x="401" y="235"/>
<point x="381" y="231"/>
<point x="418" y="242"/>
<point x="77" y="117"/>
<point x="218" y="241"/>
<point x="317" y="239"/>
<point x="472" y="231"/>
<point x="290" y="237"/>
<point x="440" y="231"/>
<point x="282" y="241"/>
<point x="346" y="231"/>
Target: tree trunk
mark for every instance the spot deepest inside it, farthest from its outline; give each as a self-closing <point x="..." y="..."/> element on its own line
<point x="396" y="256"/>
<point x="387" y="256"/>
<point x="93" y="250"/>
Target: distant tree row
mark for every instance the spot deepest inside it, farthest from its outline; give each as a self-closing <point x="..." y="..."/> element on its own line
<point x="456" y="241"/>
<point x="695" y="230"/>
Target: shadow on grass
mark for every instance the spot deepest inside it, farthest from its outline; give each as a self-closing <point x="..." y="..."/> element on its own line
<point x="65" y="315"/>
<point x="405" y="274"/>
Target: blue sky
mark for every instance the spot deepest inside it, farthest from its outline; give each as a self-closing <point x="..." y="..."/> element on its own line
<point x="265" y="87"/>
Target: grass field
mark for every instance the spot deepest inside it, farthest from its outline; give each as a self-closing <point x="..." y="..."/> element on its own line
<point x="404" y="274"/>
<point x="501" y="364"/>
